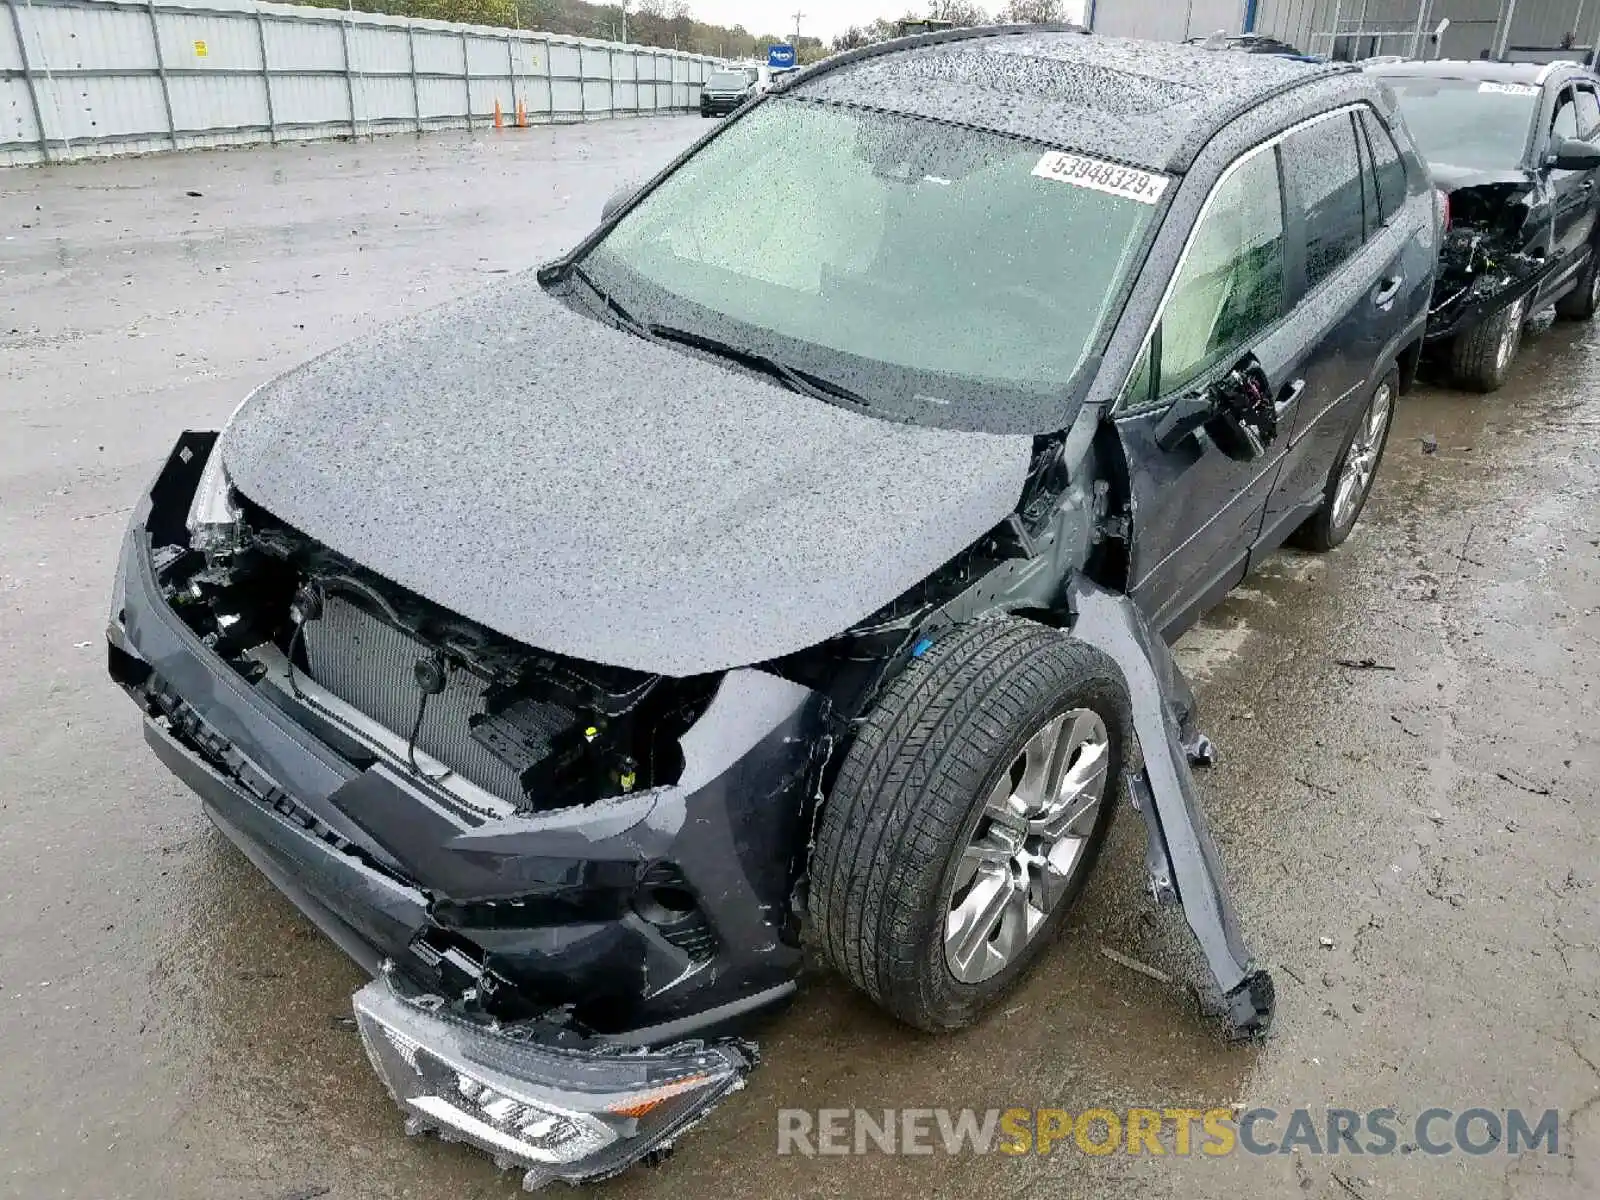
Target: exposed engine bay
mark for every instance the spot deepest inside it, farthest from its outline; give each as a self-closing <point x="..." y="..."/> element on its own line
<point x="536" y="732"/>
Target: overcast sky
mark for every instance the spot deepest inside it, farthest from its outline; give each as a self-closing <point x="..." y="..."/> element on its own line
<point x="824" y="18"/>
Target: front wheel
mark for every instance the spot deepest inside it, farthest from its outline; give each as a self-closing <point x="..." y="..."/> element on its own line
<point x="1481" y="358"/>
<point x="1350" y="482"/>
<point x="967" y="817"/>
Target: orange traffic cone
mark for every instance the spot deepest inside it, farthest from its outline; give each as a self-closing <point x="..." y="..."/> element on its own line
<point x="522" y="115"/>
<point x="499" y="118"/>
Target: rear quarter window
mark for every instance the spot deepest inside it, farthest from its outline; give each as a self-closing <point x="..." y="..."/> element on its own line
<point x="1387" y="165"/>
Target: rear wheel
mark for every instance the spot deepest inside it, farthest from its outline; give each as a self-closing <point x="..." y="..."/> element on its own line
<point x="1481" y="358"/>
<point x="1350" y="482"/>
<point x="967" y="817"/>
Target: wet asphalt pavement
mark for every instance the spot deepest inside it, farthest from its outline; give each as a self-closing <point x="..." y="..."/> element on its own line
<point x="1413" y="850"/>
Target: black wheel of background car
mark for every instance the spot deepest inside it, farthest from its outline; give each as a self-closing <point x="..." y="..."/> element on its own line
<point x="1350" y="481"/>
<point x="1481" y="358"/>
<point x="1583" y="301"/>
<point x="967" y="817"/>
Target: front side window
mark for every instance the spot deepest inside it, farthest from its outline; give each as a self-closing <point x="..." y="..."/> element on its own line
<point x="1231" y="286"/>
<point x="1588" y="112"/>
<point x="1322" y="175"/>
<point x="1565" y="122"/>
<point x="945" y="274"/>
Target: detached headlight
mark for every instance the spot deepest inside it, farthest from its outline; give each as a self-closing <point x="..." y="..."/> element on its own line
<point x="214" y="511"/>
<point x="558" y="1114"/>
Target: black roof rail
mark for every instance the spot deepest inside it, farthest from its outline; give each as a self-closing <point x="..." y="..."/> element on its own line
<point x="938" y="37"/>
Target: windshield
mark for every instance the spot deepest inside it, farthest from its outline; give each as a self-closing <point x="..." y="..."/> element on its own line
<point x="1467" y="123"/>
<point x="944" y="274"/>
<point x="728" y="81"/>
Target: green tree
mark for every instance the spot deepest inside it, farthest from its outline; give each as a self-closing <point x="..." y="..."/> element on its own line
<point x="958" y="12"/>
<point x="1033" y="12"/>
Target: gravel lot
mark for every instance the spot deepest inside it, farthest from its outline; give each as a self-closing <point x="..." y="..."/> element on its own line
<point x="171" y="1027"/>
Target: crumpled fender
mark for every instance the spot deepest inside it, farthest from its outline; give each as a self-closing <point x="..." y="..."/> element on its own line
<point x="1181" y="856"/>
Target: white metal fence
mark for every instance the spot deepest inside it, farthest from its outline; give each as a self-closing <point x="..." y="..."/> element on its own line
<point x="81" y="78"/>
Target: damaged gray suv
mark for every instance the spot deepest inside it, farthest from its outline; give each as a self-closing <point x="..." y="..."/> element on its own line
<point x="798" y="567"/>
<point x="1515" y="147"/>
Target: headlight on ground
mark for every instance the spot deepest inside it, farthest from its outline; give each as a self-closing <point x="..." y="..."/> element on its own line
<point x="557" y="1114"/>
<point x="214" y="512"/>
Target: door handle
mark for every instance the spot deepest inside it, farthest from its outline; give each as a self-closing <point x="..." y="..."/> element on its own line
<point x="1388" y="289"/>
<point x="1288" y="397"/>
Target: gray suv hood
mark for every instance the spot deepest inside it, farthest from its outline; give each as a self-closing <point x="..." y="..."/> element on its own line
<point x="596" y="495"/>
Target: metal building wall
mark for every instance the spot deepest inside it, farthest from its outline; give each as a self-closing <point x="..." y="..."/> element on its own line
<point x="1359" y="28"/>
<point x="1165" y="20"/>
<point x="85" y="78"/>
<point x="1346" y="26"/>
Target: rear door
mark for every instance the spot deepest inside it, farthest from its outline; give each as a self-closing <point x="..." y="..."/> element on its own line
<point x="1350" y="299"/>
<point x="1195" y="510"/>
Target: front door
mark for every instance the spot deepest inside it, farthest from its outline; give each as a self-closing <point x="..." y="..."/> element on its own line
<point x="1571" y="191"/>
<point x="1195" y="510"/>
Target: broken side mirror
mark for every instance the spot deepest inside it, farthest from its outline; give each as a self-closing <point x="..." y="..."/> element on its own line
<point x="1237" y="412"/>
<point x="619" y="198"/>
<point x="1571" y="154"/>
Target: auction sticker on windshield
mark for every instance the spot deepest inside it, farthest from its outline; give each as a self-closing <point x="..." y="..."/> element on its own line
<point x="1130" y="183"/>
<point x="1509" y="89"/>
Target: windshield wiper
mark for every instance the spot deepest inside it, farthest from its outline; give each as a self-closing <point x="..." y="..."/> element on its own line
<point x="620" y="316"/>
<point x="817" y="387"/>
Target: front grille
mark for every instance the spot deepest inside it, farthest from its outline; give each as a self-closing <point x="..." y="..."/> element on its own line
<point x="371" y="665"/>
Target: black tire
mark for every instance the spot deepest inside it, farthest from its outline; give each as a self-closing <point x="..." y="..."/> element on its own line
<point x="912" y="790"/>
<point x="1327" y="528"/>
<point x="1583" y="301"/>
<point x="1481" y="358"/>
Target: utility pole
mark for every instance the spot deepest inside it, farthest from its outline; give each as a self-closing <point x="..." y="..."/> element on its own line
<point x="798" y="17"/>
<point x="624" y="37"/>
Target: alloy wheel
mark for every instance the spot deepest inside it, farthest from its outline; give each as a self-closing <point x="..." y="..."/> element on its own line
<point x="1028" y="845"/>
<point x="1361" y="461"/>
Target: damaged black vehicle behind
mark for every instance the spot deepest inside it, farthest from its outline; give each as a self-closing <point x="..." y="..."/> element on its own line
<point x="799" y="569"/>
<point x="1516" y="149"/>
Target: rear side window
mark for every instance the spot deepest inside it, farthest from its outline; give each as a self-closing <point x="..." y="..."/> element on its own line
<point x="1322" y="174"/>
<point x="1231" y="287"/>
<point x="1588" y="111"/>
<point x="1387" y="165"/>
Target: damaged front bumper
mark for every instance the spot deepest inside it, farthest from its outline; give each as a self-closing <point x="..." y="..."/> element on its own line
<point x="623" y="1030"/>
<point x="1477" y="280"/>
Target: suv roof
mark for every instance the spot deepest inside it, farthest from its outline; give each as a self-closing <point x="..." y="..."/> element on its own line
<point x="1148" y="103"/>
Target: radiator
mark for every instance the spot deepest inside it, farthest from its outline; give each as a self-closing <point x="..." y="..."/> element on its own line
<point x="370" y="665"/>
